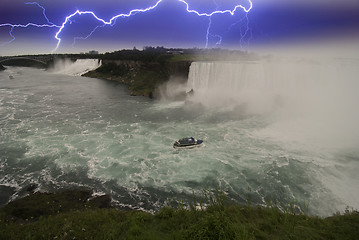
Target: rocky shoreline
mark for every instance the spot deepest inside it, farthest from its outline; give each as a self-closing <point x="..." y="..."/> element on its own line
<point x="44" y="204"/>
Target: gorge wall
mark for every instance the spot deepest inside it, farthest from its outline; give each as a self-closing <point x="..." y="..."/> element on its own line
<point x="142" y="77"/>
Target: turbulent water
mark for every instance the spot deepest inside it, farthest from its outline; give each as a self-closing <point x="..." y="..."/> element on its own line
<point x="272" y="132"/>
<point x="76" y="68"/>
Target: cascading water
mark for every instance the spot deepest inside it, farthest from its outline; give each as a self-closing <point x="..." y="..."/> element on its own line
<point x="75" y="68"/>
<point x="316" y="93"/>
<point x="264" y="84"/>
<point x="283" y="131"/>
<point x="307" y="106"/>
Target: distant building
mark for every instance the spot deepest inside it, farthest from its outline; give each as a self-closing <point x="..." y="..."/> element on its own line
<point x="175" y="52"/>
<point x="93" y="52"/>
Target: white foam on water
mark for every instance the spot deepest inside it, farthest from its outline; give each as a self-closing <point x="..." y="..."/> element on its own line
<point x="67" y="131"/>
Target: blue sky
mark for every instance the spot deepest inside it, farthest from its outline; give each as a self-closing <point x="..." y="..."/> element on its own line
<point x="269" y="22"/>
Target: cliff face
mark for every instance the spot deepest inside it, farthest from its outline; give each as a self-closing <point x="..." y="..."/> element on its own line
<point x="127" y="63"/>
<point x="142" y="77"/>
<point x="179" y="69"/>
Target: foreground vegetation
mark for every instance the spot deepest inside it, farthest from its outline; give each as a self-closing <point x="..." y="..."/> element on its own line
<point x="74" y="215"/>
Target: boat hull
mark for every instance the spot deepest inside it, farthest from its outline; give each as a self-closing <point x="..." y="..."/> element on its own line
<point x="196" y="143"/>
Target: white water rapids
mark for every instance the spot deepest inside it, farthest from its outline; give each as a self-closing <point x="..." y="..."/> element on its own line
<point x="75" y="68"/>
<point x="273" y="130"/>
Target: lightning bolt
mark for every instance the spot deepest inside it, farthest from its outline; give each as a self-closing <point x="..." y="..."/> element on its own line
<point x="43" y="11"/>
<point x="209" y="29"/>
<point x="209" y="34"/>
<point x="247" y="32"/>
<point x="112" y="21"/>
<point x="242" y="40"/>
<point x="13" y="26"/>
<point x="24" y="26"/>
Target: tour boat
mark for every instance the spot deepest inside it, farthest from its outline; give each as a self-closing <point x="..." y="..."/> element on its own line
<point x="188" y="142"/>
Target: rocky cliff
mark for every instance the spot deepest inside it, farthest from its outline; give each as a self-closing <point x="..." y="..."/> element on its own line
<point x="141" y="77"/>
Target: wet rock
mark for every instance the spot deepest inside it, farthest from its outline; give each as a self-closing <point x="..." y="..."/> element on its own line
<point x="39" y="204"/>
<point x="5" y="193"/>
<point x="31" y="188"/>
<point x="103" y="201"/>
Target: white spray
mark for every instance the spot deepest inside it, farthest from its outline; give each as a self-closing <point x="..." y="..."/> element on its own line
<point x="310" y="106"/>
<point x="77" y="68"/>
<point x="320" y="96"/>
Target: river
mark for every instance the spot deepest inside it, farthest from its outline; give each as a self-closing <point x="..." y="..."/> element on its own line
<point x="61" y="131"/>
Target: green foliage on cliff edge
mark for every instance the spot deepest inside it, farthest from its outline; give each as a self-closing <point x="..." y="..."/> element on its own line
<point x="142" y="80"/>
<point x="143" y="71"/>
<point x="87" y="219"/>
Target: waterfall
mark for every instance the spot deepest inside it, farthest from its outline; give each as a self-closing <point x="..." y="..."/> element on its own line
<point x="77" y="68"/>
<point x="264" y="84"/>
<point x="304" y="98"/>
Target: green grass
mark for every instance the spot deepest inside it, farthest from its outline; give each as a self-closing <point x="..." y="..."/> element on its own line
<point x="79" y="218"/>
